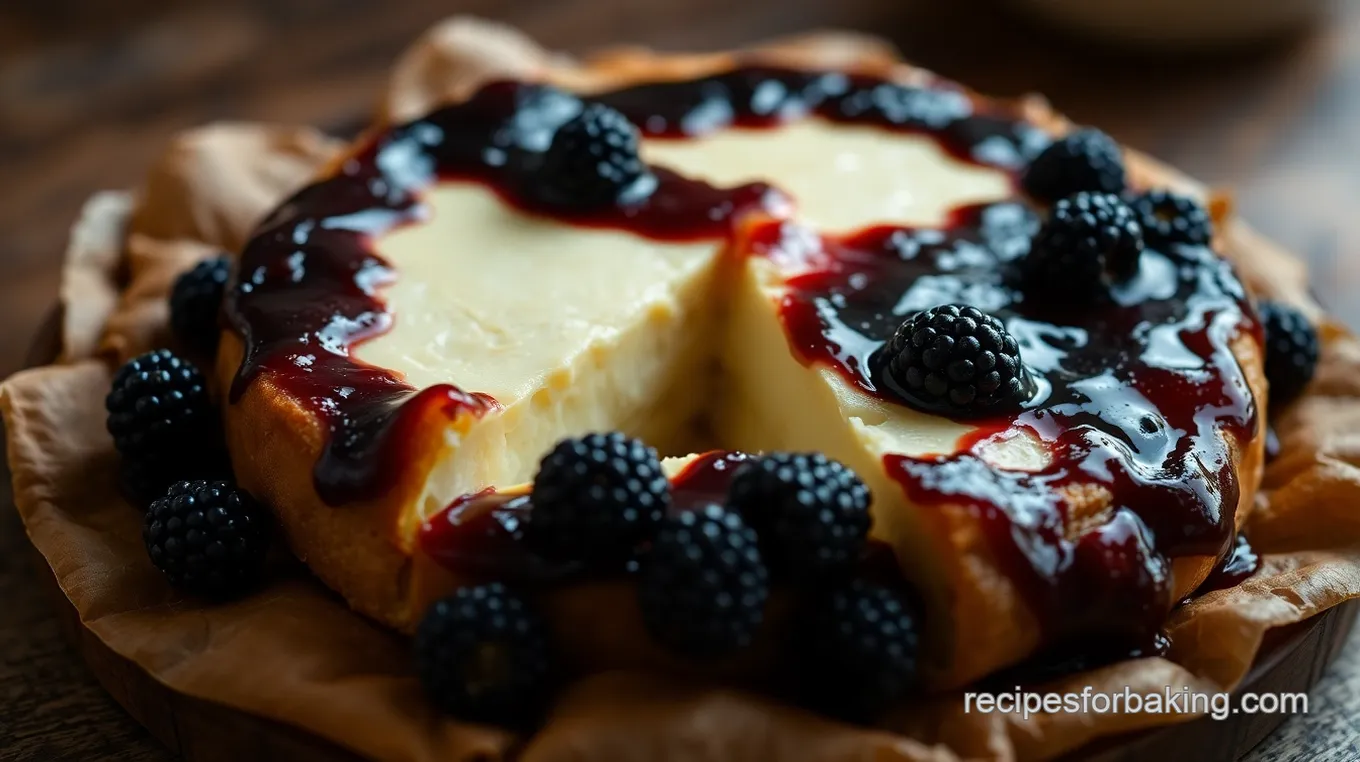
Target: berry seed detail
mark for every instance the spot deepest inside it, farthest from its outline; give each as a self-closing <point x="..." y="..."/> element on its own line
<point x="812" y="513"/>
<point x="957" y="360"/>
<point x="207" y="537"/>
<point x="703" y="587"/>
<point x="1090" y="242"/>
<point x="595" y="498"/>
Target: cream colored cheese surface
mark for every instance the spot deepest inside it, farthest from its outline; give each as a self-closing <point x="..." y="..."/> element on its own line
<point x="497" y="301"/>
<point x="574" y="329"/>
<point x="842" y="177"/>
<point x="500" y="302"/>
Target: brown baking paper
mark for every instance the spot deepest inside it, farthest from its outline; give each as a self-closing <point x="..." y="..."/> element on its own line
<point x="296" y="654"/>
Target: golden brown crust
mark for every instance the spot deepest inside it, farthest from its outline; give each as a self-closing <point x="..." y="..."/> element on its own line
<point x="362" y="552"/>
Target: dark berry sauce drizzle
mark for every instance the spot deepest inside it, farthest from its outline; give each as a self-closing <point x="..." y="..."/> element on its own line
<point x="308" y="279"/>
<point x="1234" y="568"/>
<point x="1133" y="395"/>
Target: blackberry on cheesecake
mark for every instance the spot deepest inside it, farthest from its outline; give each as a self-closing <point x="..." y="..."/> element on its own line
<point x="957" y="360"/>
<point x="1084" y="160"/>
<point x="505" y="322"/>
<point x="1090" y="242"/>
<point x="1169" y="218"/>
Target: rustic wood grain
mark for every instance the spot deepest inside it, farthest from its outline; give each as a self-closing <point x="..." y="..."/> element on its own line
<point x="91" y="89"/>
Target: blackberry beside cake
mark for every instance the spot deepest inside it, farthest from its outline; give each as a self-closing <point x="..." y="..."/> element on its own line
<point x="1017" y="335"/>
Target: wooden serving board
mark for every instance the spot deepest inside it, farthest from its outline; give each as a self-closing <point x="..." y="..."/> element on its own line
<point x="1292" y="659"/>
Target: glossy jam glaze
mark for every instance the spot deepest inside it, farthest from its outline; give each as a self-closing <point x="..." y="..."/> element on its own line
<point x="1134" y="395"/>
<point x="308" y="279"/>
<point x="481" y="535"/>
<point x="1234" y="568"/>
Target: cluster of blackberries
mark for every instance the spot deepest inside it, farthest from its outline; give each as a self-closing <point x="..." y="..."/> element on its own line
<point x="207" y="536"/>
<point x="704" y="573"/>
<point x="959" y="361"/>
<point x="1097" y="231"/>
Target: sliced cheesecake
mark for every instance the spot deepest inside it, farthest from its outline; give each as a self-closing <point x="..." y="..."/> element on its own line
<point x="428" y="318"/>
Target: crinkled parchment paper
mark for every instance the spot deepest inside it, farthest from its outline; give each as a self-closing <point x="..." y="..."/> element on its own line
<point x="296" y="654"/>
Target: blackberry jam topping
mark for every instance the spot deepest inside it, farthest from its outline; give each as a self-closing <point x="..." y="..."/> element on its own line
<point x="309" y="278"/>
<point x="958" y="360"/>
<point x="1134" y="394"/>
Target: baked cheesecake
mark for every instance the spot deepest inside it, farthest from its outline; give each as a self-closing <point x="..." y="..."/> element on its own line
<point x="754" y="255"/>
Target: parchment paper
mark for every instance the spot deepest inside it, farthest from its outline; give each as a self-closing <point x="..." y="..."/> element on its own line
<point x="295" y="653"/>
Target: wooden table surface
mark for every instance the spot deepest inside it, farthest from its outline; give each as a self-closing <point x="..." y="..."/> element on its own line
<point x="91" y="89"/>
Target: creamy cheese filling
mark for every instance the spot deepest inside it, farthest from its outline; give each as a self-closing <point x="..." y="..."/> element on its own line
<point x="573" y="329"/>
<point x="569" y="329"/>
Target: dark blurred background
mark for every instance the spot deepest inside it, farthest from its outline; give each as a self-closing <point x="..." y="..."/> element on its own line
<point x="90" y="90"/>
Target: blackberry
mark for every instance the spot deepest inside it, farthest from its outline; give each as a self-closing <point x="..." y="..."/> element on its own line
<point x="957" y="360"/>
<point x="1085" y="160"/>
<point x="811" y="513"/>
<point x="207" y="537"/>
<point x="159" y="408"/>
<point x="592" y="161"/>
<point x="703" y="586"/>
<point x="1292" y="350"/>
<point x="1170" y="218"/>
<point x="860" y="641"/>
<point x="596" y="498"/>
<point x="482" y="654"/>
<point x="195" y="301"/>
<point x="1090" y="241"/>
